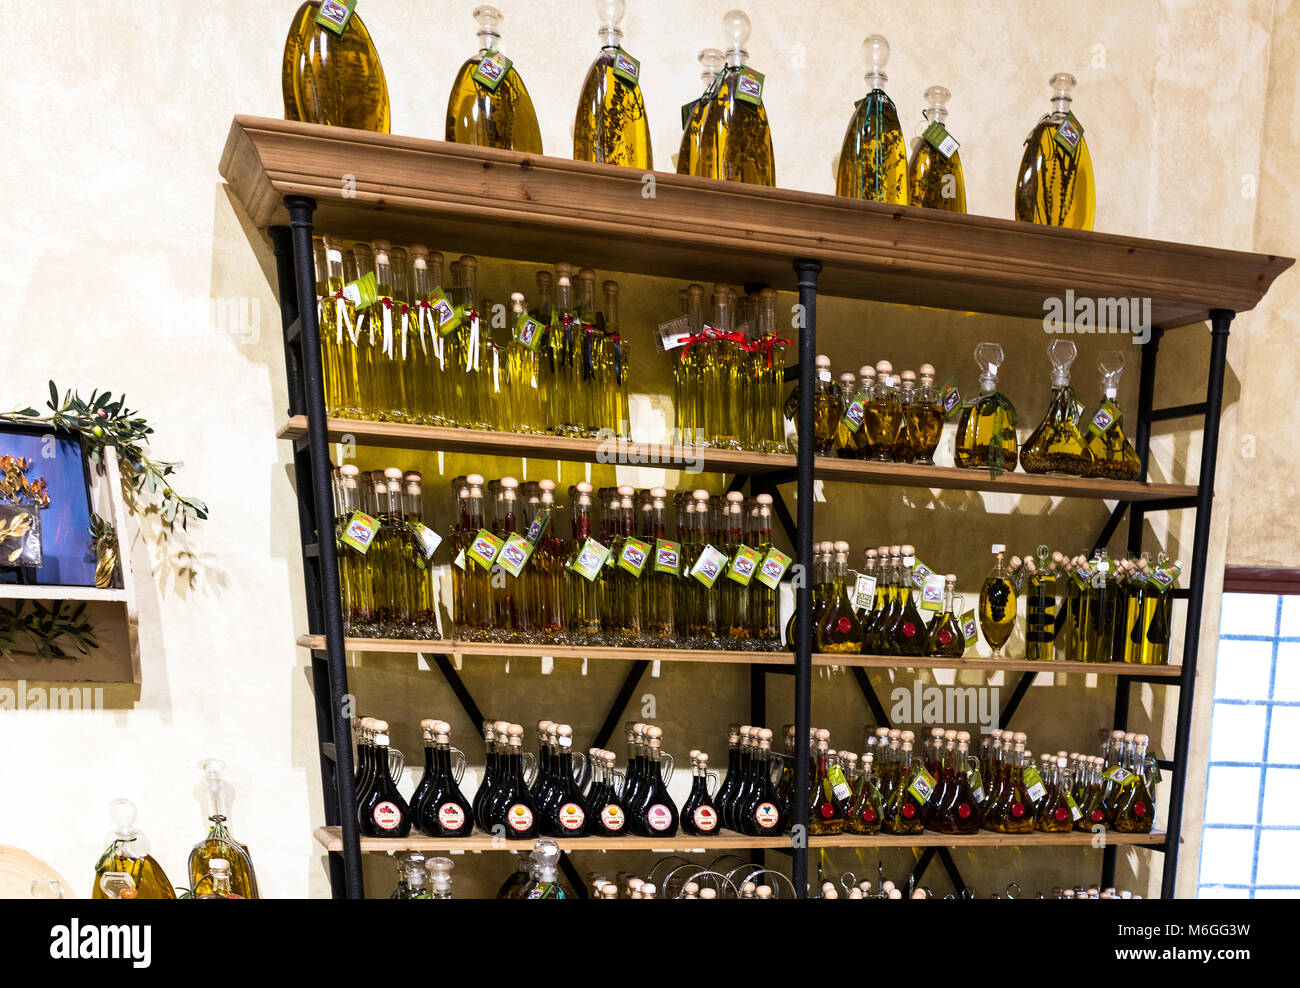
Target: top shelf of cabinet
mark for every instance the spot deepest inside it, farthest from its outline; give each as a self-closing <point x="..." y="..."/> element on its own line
<point x="537" y="209"/>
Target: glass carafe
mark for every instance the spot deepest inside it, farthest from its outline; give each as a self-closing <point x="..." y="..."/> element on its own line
<point x="1055" y="183"/>
<point x="873" y="156"/>
<point x="1113" y="455"/>
<point x="1057" y="446"/>
<point x="934" y="175"/>
<point x="986" y="432"/>
<point x="126" y="866"/>
<point x="711" y="61"/>
<point x="217" y="795"/>
<point x="839" y="629"/>
<point x="997" y="613"/>
<point x="489" y="104"/>
<point x="611" y="125"/>
<point x="735" y="137"/>
<point x="331" y="72"/>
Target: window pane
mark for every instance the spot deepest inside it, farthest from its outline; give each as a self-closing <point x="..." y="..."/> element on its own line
<point x="1226" y="856"/>
<point x="1243" y="670"/>
<point x="1278" y="893"/>
<point x="1233" y="795"/>
<point x="1248" y="614"/>
<point x="1282" y="798"/>
<point x="1237" y="734"/>
<point x="1216" y="892"/>
<point x="1286" y="682"/>
<point x="1290" y="616"/>
<point x="1279" y="857"/>
<point x="1284" y="738"/>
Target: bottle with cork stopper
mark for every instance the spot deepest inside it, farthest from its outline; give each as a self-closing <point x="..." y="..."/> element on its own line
<point x="838" y="629"/>
<point x="884" y="416"/>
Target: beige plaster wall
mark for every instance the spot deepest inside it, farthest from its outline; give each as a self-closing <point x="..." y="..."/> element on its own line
<point x="120" y="237"/>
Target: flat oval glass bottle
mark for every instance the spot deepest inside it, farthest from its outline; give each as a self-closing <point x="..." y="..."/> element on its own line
<point x="873" y="157"/>
<point x="611" y="125"/>
<point x="688" y="153"/>
<point x="487" y="116"/>
<point x="331" y="78"/>
<point x="1055" y="185"/>
<point x="735" y="137"/>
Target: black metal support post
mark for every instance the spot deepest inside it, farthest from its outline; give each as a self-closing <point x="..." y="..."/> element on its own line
<point x="808" y="272"/>
<point x="301" y="209"/>
<point x="1220" y="323"/>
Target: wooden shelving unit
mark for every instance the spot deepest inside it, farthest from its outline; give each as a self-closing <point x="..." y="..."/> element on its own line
<point x="285" y="176"/>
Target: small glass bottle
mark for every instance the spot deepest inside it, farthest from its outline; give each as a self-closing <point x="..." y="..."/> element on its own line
<point x="1134" y="807"/>
<point x="611" y="125"/>
<point x="444" y="811"/>
<point x="826" y="814"/>
<point x="126" y="869"/>
<point x="827" y="409"/>
<point x="332" y="74"/>
<point x="873" y="156"/>
<point x="410" y="876"/>
<point x="883" y="416"/>
<point x="735" y="137"/>
<point x="711" y="62"/>
<point x="903" y="811"/>
<point x="1040" y="607"/>
<point x="1055" y="183"/>
<point x="439" y="877"/>
<point x="1055" y="812"/>
<point x="217" y="880"/>
<point x="986" y="432"/>
<point x="699" y="817"/>
<point x="1113" y="456"/>
<point x="1057" y="446"/>
<point x="489" y="104"/>
<point x="997" y="613"/>
<point x="934" y="175"/>
<point x="925" y="417"/>
<point x="944" y="637"/>
<point x="839" y="630"/>
<point x="906" y="634"/>
<point x="660" y="812"/>
<point x="545" y="862"/>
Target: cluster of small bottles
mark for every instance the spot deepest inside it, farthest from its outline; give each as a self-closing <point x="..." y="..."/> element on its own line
<point x="883" y="615"/>
<point x="1089" y="608"/>
<point x="729" y="373"/>
<point x="986" y="431"/>
<point x="877" y="415"/>
<point x="622" y="582"/>
<point x="331" y="74"/>
<point x="399" y="343"/>
<point x="947" y="788"/>
<point x="854" y="889"/>
<point x="219" y="867"/>
<point x="421" y="878"/>
<point x="385" y="554"/>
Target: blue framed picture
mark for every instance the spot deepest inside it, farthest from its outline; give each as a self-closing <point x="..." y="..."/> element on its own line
<point x="59" y="460"/>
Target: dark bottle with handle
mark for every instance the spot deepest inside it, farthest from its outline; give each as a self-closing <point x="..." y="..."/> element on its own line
<point x="384" y="813"/>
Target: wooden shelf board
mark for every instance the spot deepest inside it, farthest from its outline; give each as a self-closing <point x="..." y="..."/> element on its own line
<point x="534" y="208"/>
<point x="512" y="650"/>
<point x="331" y="839"/>
<point x="11" y="591"/>
<point x="392" y="435"/>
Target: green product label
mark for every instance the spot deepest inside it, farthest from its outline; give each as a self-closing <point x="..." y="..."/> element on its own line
<point x="709" y="566"/>
<point x="775" y="563"/>
<point x="514" y="555"/>
<point x="1107" y="415"/>
<point x="920" y="573"/>
<point x="360" y="531"/>
<point x="837" y="784"/>
<point x="1167" y="575"/>
<point x="854" y="415"/>
<point x="1075" y="812"/>
<point x="459" y="561"/>
<point x="492" y="70"/>
<point x="687" y="110"/>
<point x="950" y="398"/>
<point x="938" y="137"/>
<point x="591" y="560"/>
<point x="1069" y="133"/>
<point x="485" y="548"/>
<point x="749" y="86"/>
<point x="968" y="627"/>
<point x="426" y="538"/>
<point x="634" y="556"/>
<point x="528" y="331"/>
<point x="362" y="293"/>
<point x="864" y="592"/>
<point x="1033" y="783"/>
<point x="976" y="785"/>
<point x="626" y="67"/>
<point x="932" y="593"/>
<point x="745" y="565"/>
<point x="668" y="557"/>
<point x="1121" y="776"/>
<point x="922" y="786"/>
<point x="539" y="526"/>
<point x="445" y="318"/>
<point x="1077" y="413"/>
<point x="335" y="14"/>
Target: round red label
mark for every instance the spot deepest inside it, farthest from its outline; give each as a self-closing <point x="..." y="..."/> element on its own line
<point x="1096" y="816"/>
<point x="705" y="818"/>
<point x="909" y="629"/>
<point x="519" y="817"/>
<point x="1139" y="808"/>
<point x="451" y="816"/>
<point x="963" y="810"/>
<point x="909" y="810"/>
<point x="1061" y="814"/>
<point x="572" y="817"/>
<point x="845" y="625"/>
<point x="659" y="816"/>
<point x="767" y="816"/>
<point x="1018" y="810"/>
<point x="945" y="636"/>
<point x="612" y="817"/>
<point x="387" y="816"/>
<point x="869" y="815"/>
<point x="828" y="811"/>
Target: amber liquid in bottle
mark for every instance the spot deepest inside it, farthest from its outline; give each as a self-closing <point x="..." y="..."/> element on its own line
<point x="1055" y="186"/>
<point x="477" y="114"/>
<point x="839" y="630"/>
<point x="934" y="180"/>
<point x="333" y="79"/>
<point x="735" y="137"/>
<point x="611" y="125"/>
<point x="873" y="156"/>
<point x="997" y="610"/>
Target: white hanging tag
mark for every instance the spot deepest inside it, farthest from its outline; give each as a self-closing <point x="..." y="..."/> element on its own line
<point x="584" y="666"/>
<point x="507" y="667"/>
<point x="548" y="665"/>
<point x="458" y="661"/>
<point x="654" y="669"/>
<point x="496" y="371"/>
<point x="405" y="330"/>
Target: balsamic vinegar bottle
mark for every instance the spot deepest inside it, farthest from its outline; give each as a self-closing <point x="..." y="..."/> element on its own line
<point x="699" y="816"/>
<point x="763" y="811"/>
<point x="425" y="784"/>
<point x="384" y="813"/>
<point x="606" y="815"/>
<point x="494" y="744"/>
<point x="660" y="813"/>
<point x="445" y="811"/>
<point x="518" y="815"/>
<point x="726" y="793"/>
<point x="566" y="811"/>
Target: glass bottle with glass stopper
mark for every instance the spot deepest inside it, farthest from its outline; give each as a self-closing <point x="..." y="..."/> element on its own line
<point x="1055" y="184"/>
<point x="331" y="73"/>
<point x="873" y="156"/>
<point x="997" y="611"/>
<point x="906" y="633"/>
<point x="1057" y="446"/>
<point x="489" y="104"/>
<point x="1113" y="455"/>
<point x="986" y="432"/>
<point x="711" y="62"/>
<point x="126" y="869"/>
<point x="545" y="861"/>
<point x="611" y="125"/>
<point x="934" y="175"/>
<point x="735" y="137"/>
<point x="439" y="877"/>
<point x="218" y="794"/>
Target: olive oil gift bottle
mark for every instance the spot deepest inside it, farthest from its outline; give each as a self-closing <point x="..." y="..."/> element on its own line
<point x="986" y="432"/>
<point x="1057" y="446"/>
<point x="934" y="176"/>
<point x="1113" y="455"/>
<point x="873" y="157"/>
<point x="126" y="865"/>
<point x="735" y="137"/>
<point x="1055" y="185"/>
<point x="489" y="105"/>
<point x="611" y="126"/>
<point x="711" y="61"/>
<point x="331" y="72"/>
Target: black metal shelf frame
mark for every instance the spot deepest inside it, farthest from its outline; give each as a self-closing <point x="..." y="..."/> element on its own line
<point x="295" y="268"/>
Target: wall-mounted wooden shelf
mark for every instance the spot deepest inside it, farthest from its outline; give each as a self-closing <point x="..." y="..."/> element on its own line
<point x="535" y="209"/>
<point x="392" y="435"/>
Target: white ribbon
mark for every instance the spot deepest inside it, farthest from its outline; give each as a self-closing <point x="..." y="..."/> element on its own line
<point x="472" y="357"/>
<point x="386" y="303"/>
<point x="341" y="319"/>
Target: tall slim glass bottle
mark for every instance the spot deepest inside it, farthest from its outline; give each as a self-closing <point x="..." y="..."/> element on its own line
<point x="873" y="157"/>
<point x="611" y="125"/>
<point x="331" y="72"/>
<point x="711" y="61"/>
<point x="1055" y="184"/>
<point x="735" y="137"/>
<point x="489" y="104"/>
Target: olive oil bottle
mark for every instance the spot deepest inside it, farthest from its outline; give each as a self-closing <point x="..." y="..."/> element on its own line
<point x="827" y="409"/>
<point x="873" y="157"/>
<point x="1134" y="807"/>
<point x="339" y="337"/>
<point x="711" y="61"/>
<point x="735" y="137"/>
<point x="1056" y="811"/>
<point x="883" y="416"/>
<point x="661" y="574"/>
<point x="934" y="175"/>
<point x="997" y="613"/>
<point x="489" y="104"/>
<point x="843" y="445"/>
<point x="905" y="634"/>
<point x="868" y="806"/>
<point x="763" y="604"/>
<point x="986" y="432"/>
<point x="904" y="809"/>
<point x="392" y="344"/>
<point x="1113" y="455"/>
<point x="362" y="287"/>
<point x="611" y="125"/>
<point x="1013" y="811"/>
<point x="925" y="417"/>
<point x="827" y="807"/>
<point x="331" y="73"/>
<point x="851" y="433"/>
<point x="1057" y="446"/>
<point x="839" y="630"/>
<point x="582" y="589"/>
<point x="126" y="866"/>
<point x="1055" y="184"/>
<point x="427" y="367"/>
<point x="219" y="845"/>
<point x="1040" y="607"/>
<point x="944" y="637"/>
